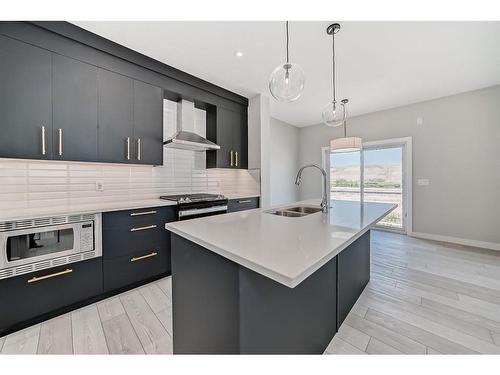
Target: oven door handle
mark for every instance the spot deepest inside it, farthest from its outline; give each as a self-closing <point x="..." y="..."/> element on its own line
<point x="198" y="211"/>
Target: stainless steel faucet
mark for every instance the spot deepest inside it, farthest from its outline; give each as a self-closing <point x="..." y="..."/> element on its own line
<point x="325" y="207"/>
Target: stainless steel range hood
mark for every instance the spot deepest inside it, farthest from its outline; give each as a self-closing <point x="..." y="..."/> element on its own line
<point x="185" y="138"/>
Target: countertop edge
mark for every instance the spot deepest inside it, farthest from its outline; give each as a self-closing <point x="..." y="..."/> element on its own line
<point x="39" y="212"/>
<point x="84" y="209"/>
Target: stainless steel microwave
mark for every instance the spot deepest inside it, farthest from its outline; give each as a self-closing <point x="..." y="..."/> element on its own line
<point x="36" y="244"/>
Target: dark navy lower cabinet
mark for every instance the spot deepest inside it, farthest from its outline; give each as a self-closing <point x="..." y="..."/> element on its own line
<point x="136" y="267"/>
<point x="136" y="245"/>
<point x="242" y="204"/>
<point x="33" y="295"/>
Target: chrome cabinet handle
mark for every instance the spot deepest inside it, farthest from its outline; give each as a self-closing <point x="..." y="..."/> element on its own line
<point x="43" y="141"/>
<point x="245" y="201"/>
<point x="143" y="213"/>
<point x="128" y="148"/>
<point x="143" y="228"/>
<point x="36" y="279"/>
<point x="236" y="153"/>
<point x="60" y="141"/>
<point x="139" y="149"/>
<point x="135" y="259"/>
<point x="231" y="158"/>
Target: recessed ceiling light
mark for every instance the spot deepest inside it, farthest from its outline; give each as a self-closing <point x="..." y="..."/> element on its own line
<point x="238" y="53"/>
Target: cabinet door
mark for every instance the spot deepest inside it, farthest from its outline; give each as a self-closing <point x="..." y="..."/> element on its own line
<point x="224" y="137"/>
<point x="148" y="124"/>
<point x="57" y="288"/>
<point x="25" y="100"/>
<point x="115" y="117"/>
<point x="74" y="110"/>
<point x="240" y="139"/>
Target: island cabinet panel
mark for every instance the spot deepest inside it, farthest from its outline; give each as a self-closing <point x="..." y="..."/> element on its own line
<point x="242" y="204"/>
<point x="353" y="274"/>
<point x="205" y="300"/>
<point x="136" y="246"/>
<point x="275" y="319"/>
<point x="224" y="308"/>
<point x="75" y="110"/>
<point x="26" y="301"/>
<point x="25" y="100"/>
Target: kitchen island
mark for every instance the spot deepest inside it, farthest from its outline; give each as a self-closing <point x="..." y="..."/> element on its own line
<point x="255" y="282"/>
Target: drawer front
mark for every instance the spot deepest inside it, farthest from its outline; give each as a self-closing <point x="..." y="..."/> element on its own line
<point x="118" y="242"/>
<point x="132" y="231"/>
<point x="242" y="204"/>
<point x="28" y="296"/>
<point x="135" y="267"/>
<point x="139" y="217"/>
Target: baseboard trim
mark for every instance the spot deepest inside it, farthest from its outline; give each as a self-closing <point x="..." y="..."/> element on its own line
<point x="456" y="240"/>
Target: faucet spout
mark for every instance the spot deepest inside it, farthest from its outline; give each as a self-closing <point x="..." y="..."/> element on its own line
<point x="325" y="207"/>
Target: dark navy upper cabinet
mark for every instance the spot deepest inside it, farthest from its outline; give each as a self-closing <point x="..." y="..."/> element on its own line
<point x="74" y="110"/>
<point x="130" y="120"/>
<point x="148" y="124"/>
<point x="25" y="100"/>
<point x="240" y="139"/>
<point x="66" y="94"/>
<point x="116" y="120"/>
<point x="229" y="129"/>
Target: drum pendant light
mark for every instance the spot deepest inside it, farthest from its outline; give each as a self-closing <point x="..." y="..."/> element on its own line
<point x="345" y="144"/>
<point x="286" y="83"/>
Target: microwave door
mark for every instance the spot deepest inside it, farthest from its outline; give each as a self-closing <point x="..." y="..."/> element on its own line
<point x="37" y="244"/>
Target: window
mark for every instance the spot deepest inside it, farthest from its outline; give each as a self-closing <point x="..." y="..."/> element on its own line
<point x="376" y="174"/>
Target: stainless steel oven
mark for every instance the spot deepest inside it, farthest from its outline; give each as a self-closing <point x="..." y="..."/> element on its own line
<point x="192" y="206"/>
<point x="36" y="244"/>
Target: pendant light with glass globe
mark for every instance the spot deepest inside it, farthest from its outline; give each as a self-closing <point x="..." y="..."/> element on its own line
<point x="287" y="80"/>
<point x="333" y="112"/>
<point x="345" y="144"/>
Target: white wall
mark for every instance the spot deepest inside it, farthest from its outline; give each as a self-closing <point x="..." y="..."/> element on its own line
<point x="457" y="148"/>
<point x="284" y="162"/>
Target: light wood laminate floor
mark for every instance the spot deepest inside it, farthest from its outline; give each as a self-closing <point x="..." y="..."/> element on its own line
<point x="424" y="297"/>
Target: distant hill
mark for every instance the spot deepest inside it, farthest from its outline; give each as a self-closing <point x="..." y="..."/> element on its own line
<point x="391" y="173"/>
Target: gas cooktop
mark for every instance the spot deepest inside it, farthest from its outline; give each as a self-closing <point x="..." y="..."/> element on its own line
<point x="192" y="198"/>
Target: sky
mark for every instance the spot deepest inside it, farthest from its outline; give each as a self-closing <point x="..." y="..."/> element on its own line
<point x="380" y="156"/>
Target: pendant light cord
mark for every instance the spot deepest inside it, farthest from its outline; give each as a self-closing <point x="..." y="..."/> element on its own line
<point x="333" y="64"/>
<point x="287" y="60"/>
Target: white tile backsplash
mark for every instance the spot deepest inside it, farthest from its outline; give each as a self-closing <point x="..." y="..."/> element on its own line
<point x="25" y="184"/>
<point x="31" y="183"/>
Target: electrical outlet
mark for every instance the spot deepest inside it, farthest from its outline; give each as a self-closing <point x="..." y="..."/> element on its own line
<point x="99" y="186"/>
<point x="420" y="121"/>
<point x="423" y="182"/>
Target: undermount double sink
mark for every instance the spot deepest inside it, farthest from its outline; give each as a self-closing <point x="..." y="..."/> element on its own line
<point x="297" y="211"/>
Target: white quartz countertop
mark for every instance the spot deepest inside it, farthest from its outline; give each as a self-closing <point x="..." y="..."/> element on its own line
<point x="78" y="209"/>
<point x="285" y="249"/>
<point x="36" y="212"/>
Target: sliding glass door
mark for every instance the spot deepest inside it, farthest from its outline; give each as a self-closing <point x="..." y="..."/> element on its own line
<point x="383" y="181"/>
<point x="376" y="174"/>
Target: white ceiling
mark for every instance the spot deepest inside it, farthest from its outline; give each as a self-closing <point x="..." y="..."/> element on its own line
<point x="380" y="65"/>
